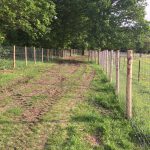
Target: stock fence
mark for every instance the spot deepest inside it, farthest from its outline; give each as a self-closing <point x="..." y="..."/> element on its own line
<point x="121" y="69"/>
<point x="16" y="57"/>
<point x="130" y="75"/>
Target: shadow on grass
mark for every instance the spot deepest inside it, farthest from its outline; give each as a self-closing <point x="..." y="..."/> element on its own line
<point x="70" y="61"/>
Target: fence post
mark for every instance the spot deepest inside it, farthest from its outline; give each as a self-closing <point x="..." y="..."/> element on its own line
<point x="63" y="53"/>
<point x="129" y="84"/>
<point x="98" y="56"/>
<point x="91" y="55"/>
<point x="107" y="62"/>
<point x="88" y="55"/>
<point x="139" y="70"/>
<point x="47" y="54"/>
<point x="70" y="52"/>
<point x="26" y="56"/>
<point x="111" y="65"/>
<point x="42" y="55"/>
<point x="102" y="60"/>
<point x="52" y="53"/>
<point x="34" y="55"/>
<point x="117" y="72"/>
<point x="95" y="53"/>
<point x="14" y="57"/>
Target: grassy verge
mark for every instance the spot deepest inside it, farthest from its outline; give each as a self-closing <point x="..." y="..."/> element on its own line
<point x="95" y="123"/>
<point x="21" y="71"/>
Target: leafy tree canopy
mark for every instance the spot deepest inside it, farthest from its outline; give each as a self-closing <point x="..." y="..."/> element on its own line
<point x="84" y="24"/>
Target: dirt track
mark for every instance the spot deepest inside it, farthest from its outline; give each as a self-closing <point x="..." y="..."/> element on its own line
<point x="37" y="98"/>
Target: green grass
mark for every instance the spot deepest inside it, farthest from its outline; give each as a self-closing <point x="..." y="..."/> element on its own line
<point x="14" y="111"/>
<point x="22" y="71"/>
<point x="36" y="99"/>
<point x="96" y="123"/>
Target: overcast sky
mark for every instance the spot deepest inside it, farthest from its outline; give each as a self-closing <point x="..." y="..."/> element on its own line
<point x="148" y="11"/>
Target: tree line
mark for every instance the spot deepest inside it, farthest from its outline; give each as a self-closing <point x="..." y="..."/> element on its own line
<point x="82" y="24"/>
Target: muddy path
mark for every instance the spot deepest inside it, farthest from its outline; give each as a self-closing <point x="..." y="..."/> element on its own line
<point x="22" y="120"/>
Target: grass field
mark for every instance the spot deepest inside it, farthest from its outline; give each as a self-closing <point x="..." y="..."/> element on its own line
<point x="7" y="74"/>
<point x="68" y="105"/>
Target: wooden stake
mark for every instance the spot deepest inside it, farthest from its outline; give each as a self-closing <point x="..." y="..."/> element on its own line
<point x="70" y="52"/>
<point x="91" y="55"/>
<point x="98" y="57"/>
<point x="111" y="65"/>
<point x="88" y="55"/>
<point x="64" y="54"/>
<point x="95" y="55"/>
<point x="14" y="57"/>
<point x="117" y="72"/>
<point x="52" y="53"/>
<point x="139" y="70"/>
<point x="42" y="55"/>
<point x="26" y="56"/>
<point x="47" y="54"/>
<point x="107" y="62"/>
<point x="102" y="60"/>
<point x="129" y="84"/>
<point x="34" y="55"/>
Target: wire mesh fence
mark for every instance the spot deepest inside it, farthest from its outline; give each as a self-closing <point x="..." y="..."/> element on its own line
<point x="16" y="57"/>
<point x="115" y="65"/>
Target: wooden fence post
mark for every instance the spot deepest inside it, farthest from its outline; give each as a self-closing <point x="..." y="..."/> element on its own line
<point x="117" y="72"/>
<point x="111" y="65"/>
<point x="63" y="53"/>
<point x="129" y="84"/>
<point x="26" y="56"/>
<point x="47" y="54"/>
<point x="70" y="52"/>
<point x="52" y="53"/>
<point x="95" y="53"/>
<point x="102" y="60"/>
<point x="107" y="62"/>
<point x="34" y="55"/>
<point x="88" y="55"/>
<point x="14" y="57"/>
<point x="98" y="57"/>
<point x="139" y="71"/>
<point x="42" y="55"/>
<point x="91" y="55"/>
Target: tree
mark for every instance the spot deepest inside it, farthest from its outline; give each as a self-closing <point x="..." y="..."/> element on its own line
<point x="25" y="21"/>
<point x="96" y="24"/>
